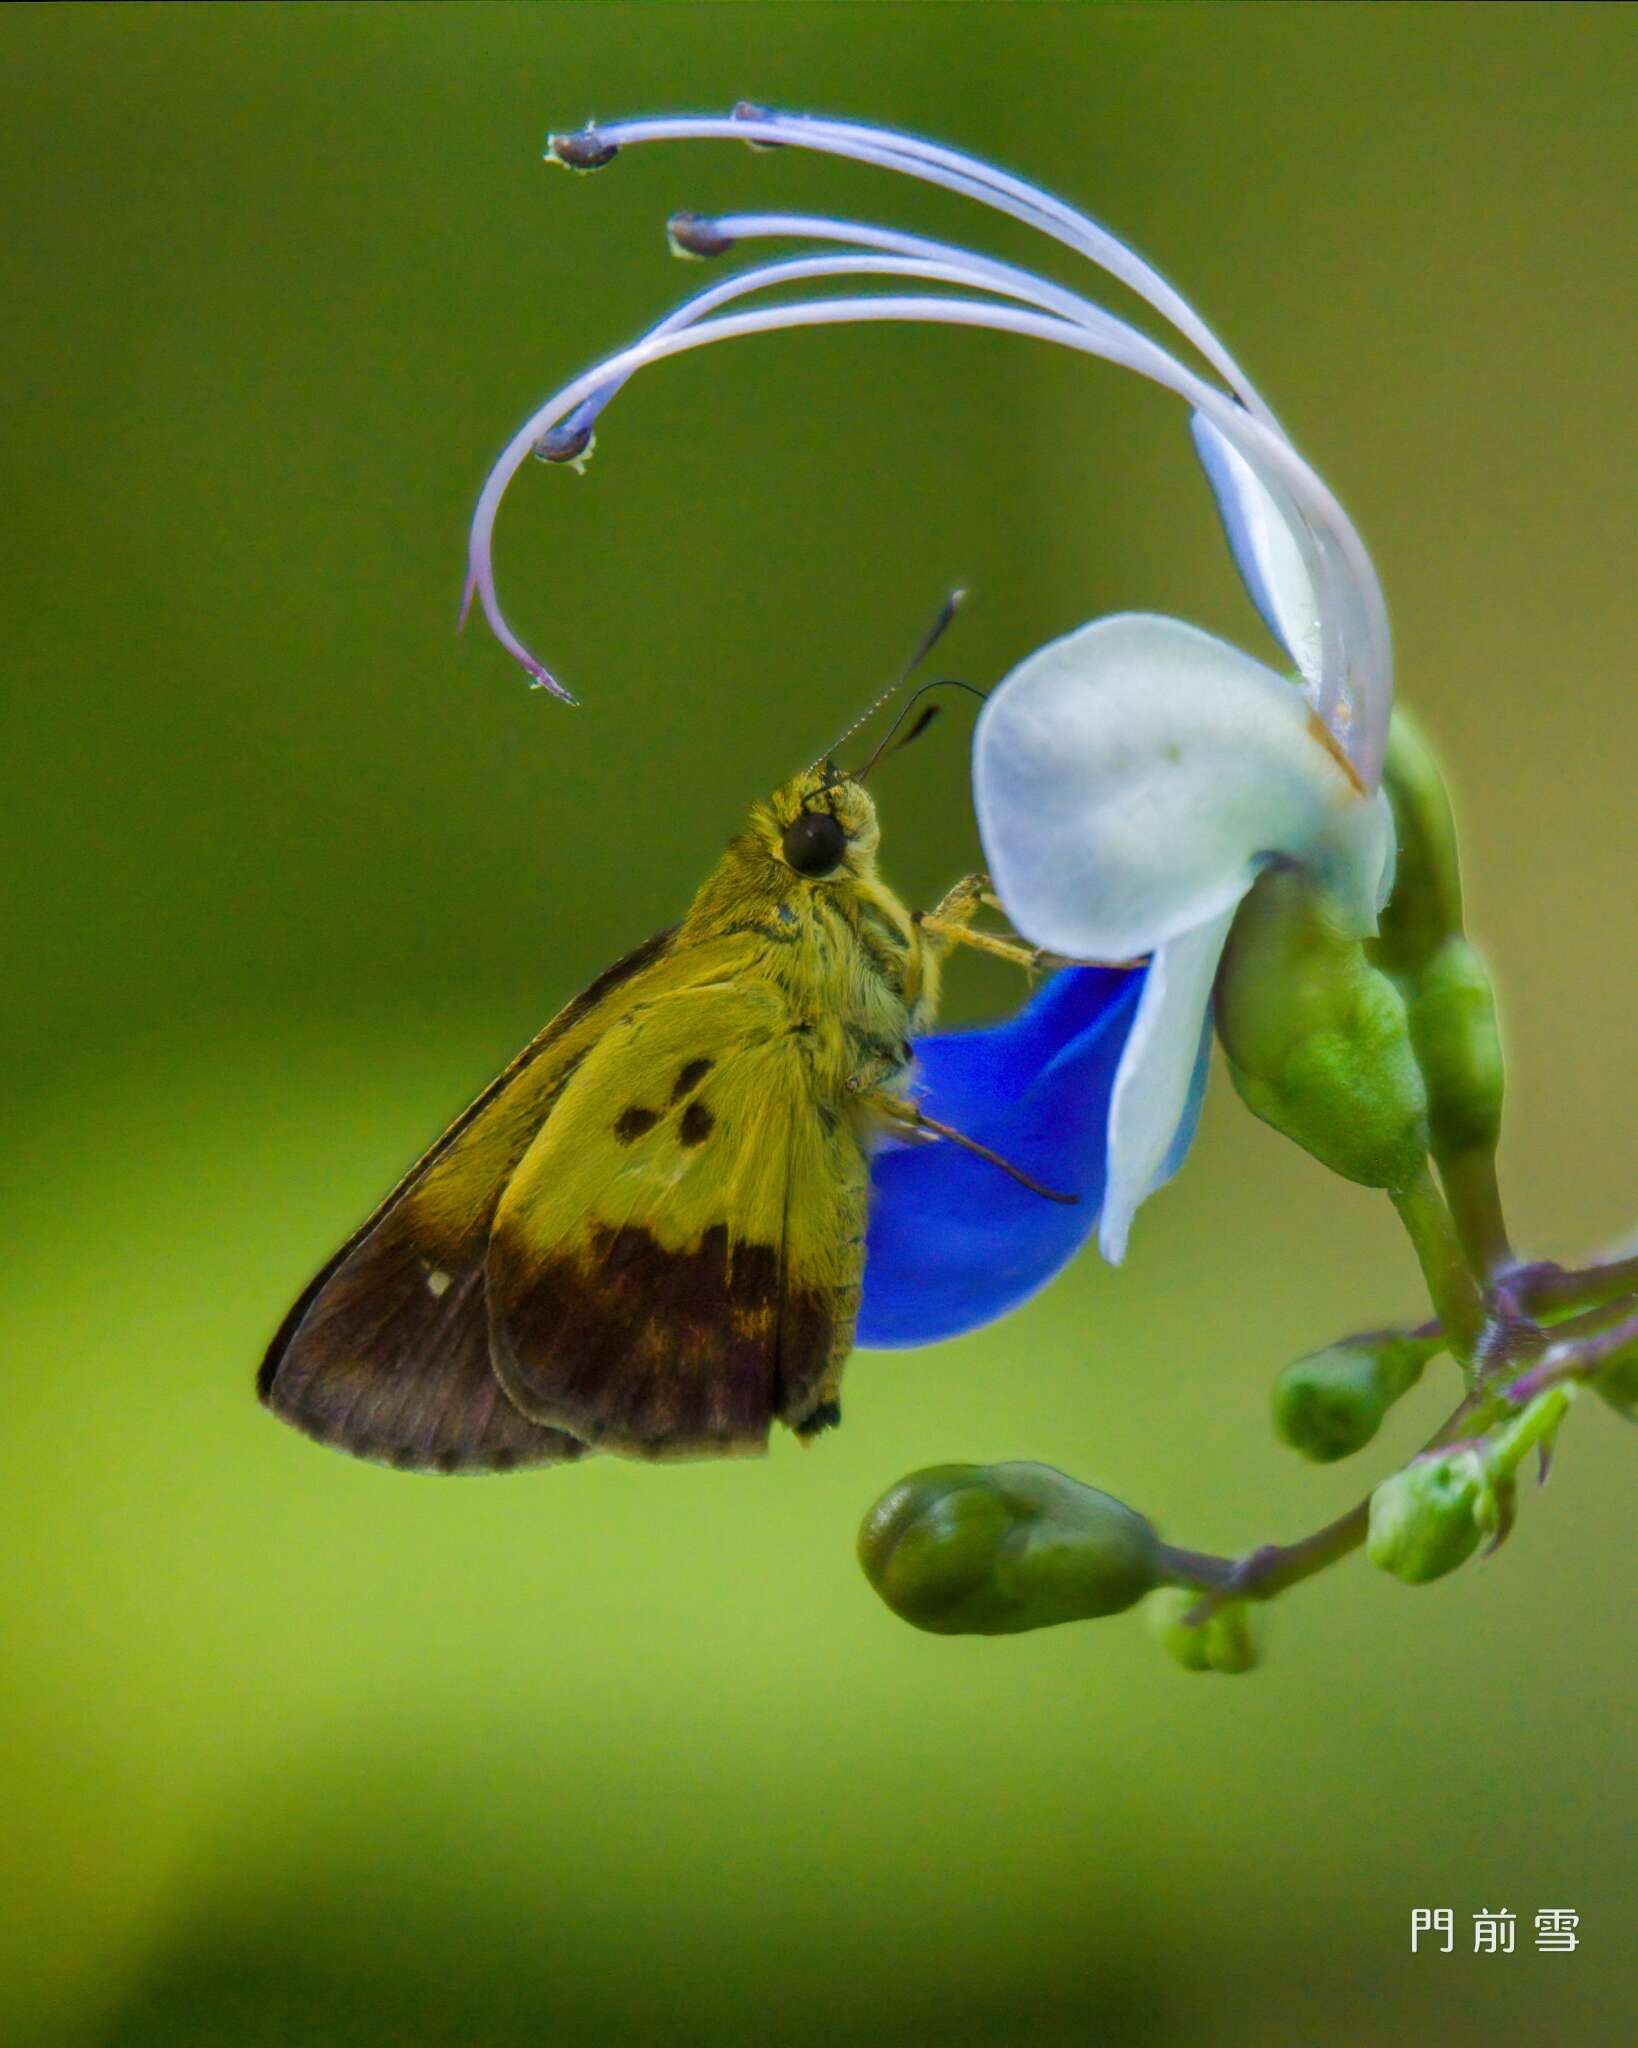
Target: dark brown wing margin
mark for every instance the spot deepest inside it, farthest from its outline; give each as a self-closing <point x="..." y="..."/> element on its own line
<point x="564" y="1022"/>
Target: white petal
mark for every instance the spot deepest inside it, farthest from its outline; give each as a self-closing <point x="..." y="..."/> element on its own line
<point x="1270" y="545"/>
<point x="1152" y="1086"/>
<point x="1133" y="778"/>
<point x="1361" y="859"/>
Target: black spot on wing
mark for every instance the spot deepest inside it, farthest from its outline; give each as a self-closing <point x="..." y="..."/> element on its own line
<point x="697" y="1124"/>
<point x="632" y="1123"/>
<point x="690" y="1077"/>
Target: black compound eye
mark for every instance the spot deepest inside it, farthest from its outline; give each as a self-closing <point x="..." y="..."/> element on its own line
<point x="814" y="844"/>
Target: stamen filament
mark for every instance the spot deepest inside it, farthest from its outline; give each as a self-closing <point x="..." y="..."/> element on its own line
<point x="970" y="177"/>
<point x="1355" y="680"/>
<point x="1111" y="339"/>
<point x="934" y="261"/>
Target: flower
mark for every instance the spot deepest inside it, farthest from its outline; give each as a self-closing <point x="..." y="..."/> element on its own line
<point x="1132" y="780"/>
<point x="954" y="1244"/>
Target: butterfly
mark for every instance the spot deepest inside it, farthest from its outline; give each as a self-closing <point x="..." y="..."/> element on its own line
<point x="647" y="1235"/>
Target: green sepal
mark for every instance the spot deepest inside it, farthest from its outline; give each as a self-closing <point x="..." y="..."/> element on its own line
<point x="1424" y="1520"/>
<point x="1425" y="908"/>
<point x="1317" y="1039"/>
<point x="1452" y="1010"/>
<point x="1421" y="943"/>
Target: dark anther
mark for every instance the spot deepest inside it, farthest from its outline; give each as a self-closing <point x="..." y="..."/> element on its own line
<point x="748" y="110"/>
<point x="697" y="236"/>
<point x="585" y="150"/>
<point x="563" y="443"/>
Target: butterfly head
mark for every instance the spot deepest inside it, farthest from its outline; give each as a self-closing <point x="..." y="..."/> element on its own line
<point x="821" y="825"/>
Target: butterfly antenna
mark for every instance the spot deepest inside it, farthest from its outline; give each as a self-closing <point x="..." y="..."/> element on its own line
<point x="887" y="746"/>
<point x="929" y="640"/>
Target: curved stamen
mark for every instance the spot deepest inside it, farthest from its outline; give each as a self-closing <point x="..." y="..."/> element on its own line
<point x="1113" y="341"/>
<point x="935" y="164"/>
<point x="698" y="235"/>
<point x="565" y="435"/>
<point x="936" y="261"/>
<point x="1356" y="645"/>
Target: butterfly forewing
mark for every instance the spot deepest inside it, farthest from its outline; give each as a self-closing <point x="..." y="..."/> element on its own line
<point x="386" y="1354"/>
<point x="675" y="1265"/>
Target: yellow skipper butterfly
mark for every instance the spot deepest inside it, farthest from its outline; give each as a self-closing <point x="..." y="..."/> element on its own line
<point x="647" y="1236"/>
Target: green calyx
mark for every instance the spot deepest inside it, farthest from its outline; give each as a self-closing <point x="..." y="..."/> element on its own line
<point x="1428" y="1519"/>
<point x="1423" y="1520"/>
<point x="1426" y="906"/>
<point x="1331" y="1403"/>
<point x="1317" y="1038"/>
<point x="1422" y="944"/>
<point x="1224" y="1640"/>
<point x="1452" y="1011"/>
<point x="995" y="1549"/>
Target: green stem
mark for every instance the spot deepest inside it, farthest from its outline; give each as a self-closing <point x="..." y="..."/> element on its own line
<point x="1452" y="1288"/>
<point x="1474" y="1195"/>
<point x="1273" y="1567"/>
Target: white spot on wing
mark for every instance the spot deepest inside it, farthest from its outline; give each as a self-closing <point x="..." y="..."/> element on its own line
<point x="437" y="1282"/>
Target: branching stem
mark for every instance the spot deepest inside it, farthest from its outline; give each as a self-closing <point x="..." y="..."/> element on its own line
<point x="1273" y="1567"/>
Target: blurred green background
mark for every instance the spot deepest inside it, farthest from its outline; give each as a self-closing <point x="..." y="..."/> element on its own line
<point x="302" y="1751"/>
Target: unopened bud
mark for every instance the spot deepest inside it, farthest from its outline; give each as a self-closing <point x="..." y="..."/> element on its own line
<point x="1225" y="1640"/>
<point x="1424" y="1520"/>
<point x="1426" y="906"/>
<point x="1317" y="1038"/>
<point x="993" y="1549"/>
<point x="1331" y="1403"/>
<point x="1421" y="944"/>
<point x="1458" y="1047"/>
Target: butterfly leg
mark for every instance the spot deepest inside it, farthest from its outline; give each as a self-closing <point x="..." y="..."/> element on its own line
<point x="898" y="1114"/>
<point x="950" y="924"/>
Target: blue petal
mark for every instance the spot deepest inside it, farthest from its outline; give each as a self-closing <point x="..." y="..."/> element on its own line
<point x="954" y="1242"/>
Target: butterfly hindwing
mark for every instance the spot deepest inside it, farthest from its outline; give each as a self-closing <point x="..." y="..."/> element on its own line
<point x="676" y="1263"/>
<point x="386" y="1354"/>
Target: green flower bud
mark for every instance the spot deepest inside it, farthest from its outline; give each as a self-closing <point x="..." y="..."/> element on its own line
<point x="1225" y="1641"/>
<point x="1423" y="1519"/>
<point x="1331" y="1403"/>
<point x="1426" y="906"/>
<point x="1317" y="1038"/>
<point x="992" y="1549"/>
<point x="1453" y="1030"/>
